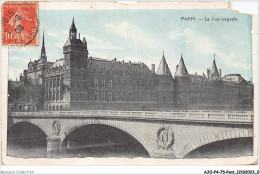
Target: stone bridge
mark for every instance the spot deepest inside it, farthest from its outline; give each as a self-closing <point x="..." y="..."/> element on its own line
<point x="168" y="134"/>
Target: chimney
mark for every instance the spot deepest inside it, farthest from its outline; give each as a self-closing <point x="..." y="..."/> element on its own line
<point x="79" y="35"/>
<point x="220" y="76"/>
<point x="153" y="68"/>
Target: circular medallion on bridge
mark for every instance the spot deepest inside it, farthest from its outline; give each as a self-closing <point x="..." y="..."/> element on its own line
<point x="56" y="127"/>
<point x="165" y="138"/>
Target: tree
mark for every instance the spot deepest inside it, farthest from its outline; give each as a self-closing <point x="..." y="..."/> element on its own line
<point x="13" y="92"/>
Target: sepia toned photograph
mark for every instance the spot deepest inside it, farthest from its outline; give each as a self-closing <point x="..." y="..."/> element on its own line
<point x="150" y="83"/>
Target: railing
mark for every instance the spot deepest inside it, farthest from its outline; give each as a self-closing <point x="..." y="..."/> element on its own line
<point x="206" y="116"/>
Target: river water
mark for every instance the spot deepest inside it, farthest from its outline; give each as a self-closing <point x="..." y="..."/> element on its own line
<point x="83" y="151"/>
<point x="244" y="148"/>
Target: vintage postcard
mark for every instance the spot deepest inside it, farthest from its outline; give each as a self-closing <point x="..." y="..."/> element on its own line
<point x="152" y="83"/>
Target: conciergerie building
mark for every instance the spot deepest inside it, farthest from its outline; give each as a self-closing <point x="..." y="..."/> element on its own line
<point x="81" y="82"/>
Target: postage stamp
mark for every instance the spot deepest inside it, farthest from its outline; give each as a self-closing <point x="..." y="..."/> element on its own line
<point x="20" y="23"/>
<point x="146" y="84"/>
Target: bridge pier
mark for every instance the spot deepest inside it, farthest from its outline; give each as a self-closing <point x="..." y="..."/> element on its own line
<point x="53" y="146"/>
<point x="163" y="156"/>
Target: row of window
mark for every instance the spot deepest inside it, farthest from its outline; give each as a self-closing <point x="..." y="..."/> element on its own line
<point x="54" y="95"/>
<point x="194" y="100"/>
<point x="120" y="72"/>
<point x="112" y="96"/>
<point x="202" y="92"/>
<point x="134" y="84"/>
<point x="105" y="83"/>
<point x="109" y="83"/>
<point x="54" y="83"/>
<point x="56" y="69"/>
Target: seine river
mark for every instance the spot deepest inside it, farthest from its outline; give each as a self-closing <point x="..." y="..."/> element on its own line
<point x="97" y="151"/>
<point x="119" y="150"/>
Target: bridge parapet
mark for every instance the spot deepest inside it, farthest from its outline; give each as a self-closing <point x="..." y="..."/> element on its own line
<point x="195" y="116"/>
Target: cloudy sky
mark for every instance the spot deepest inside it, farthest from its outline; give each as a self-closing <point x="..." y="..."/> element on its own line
<point x="143" y="35"/>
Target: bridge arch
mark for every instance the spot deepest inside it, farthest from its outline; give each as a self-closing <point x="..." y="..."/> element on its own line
<point x="215" y="137"/>
<point x="26" y="140"/>
<point x="29" y="122"/>
<point x="114" y="124"/>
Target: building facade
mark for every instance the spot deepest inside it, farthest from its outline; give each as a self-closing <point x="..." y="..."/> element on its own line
<point x="81" y="82"/>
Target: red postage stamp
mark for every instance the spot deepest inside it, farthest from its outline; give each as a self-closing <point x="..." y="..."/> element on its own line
<point x="20" y="23"/>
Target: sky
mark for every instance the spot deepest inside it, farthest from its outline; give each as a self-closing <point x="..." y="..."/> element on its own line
<point x="143" y="35"/>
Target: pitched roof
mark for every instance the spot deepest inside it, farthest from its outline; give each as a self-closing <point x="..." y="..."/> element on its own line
<point x="236" y="78"/>
<point x="128" y="68"/>
<point x="163" y="68"/>
<point x="73" y="42"/>
<point x="181" y="69"/>
<point x="57" y="63"/>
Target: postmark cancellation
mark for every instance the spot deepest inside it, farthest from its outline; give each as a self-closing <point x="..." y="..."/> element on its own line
<point x="20" y="23"/>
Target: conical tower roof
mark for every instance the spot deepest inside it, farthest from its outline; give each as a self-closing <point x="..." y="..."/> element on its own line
<point x="73" y="27"/>
<point x="214" y="74"/>
<point x="43" y="52"/>
<point x="73" y="30"/>
<point x="181" y="69"/>
<point x="163" y="68"/>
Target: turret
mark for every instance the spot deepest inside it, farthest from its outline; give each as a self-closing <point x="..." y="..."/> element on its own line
<point x="163" y="68"/>
<point x="214" y="74"/>
<point x="181" y="69"/>
<point x="25" y="74"/>
<point x="208" y="73"/>
<point x="73" y="30"/>
<point x="84" y="41"/>
<point x="165" y="84"/>
<point x="76" y="59"/>
<point x="75" y="51"/>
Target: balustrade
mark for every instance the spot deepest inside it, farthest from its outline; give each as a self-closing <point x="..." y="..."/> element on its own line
<point x="188" y="116"/>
